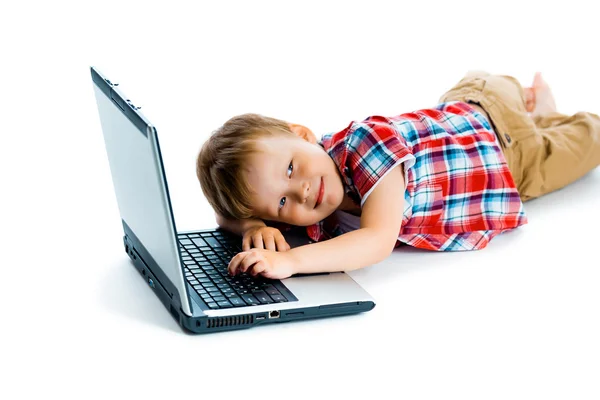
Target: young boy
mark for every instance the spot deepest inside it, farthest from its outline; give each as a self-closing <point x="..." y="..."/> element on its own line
<point x="448" y="178"/>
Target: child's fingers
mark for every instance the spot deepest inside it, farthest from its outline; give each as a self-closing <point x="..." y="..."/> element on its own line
<point x="269" y="243"/>
<point x="257" y="241"/>
<point x="269" y="274"/>
<point x="233" y="263"/>
<point x="246" y="241"/>
<point x="236" y="263"/>
<point x="281" y="243"/>
<point x="250" y="259"/>
<point x="258" y="268"/>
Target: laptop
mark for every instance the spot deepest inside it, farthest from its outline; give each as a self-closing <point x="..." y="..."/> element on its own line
<point x="188" y="270"/>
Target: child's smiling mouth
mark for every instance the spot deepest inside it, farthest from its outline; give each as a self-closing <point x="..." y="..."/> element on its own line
<point x="320" y="194"/>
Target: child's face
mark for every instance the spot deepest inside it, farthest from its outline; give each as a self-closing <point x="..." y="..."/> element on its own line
<point x="286" y="175"/>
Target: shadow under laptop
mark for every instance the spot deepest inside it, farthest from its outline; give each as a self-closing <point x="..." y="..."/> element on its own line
<point x="124" y="292"/>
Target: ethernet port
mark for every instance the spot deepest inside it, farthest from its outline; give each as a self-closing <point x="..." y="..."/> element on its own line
<point x="274" y="314"/>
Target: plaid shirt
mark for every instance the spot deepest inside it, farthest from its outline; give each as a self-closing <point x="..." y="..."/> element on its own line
<point x="459" y="191"/>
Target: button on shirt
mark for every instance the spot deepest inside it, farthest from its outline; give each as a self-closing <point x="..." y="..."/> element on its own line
<point x="459" y="191"/>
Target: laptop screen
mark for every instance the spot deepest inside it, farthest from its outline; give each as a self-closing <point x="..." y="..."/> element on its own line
<point x="137" y="176"/>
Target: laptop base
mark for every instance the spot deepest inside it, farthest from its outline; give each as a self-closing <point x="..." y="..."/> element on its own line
<point x="206" y="324"/>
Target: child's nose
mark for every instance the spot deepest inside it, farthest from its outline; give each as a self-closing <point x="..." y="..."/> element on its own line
<point x="304" y="191"/>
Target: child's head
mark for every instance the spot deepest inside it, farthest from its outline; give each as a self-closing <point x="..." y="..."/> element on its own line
<point x="259" y="167"/>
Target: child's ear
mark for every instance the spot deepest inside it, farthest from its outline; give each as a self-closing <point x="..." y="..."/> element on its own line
<point x="303" y="132"/>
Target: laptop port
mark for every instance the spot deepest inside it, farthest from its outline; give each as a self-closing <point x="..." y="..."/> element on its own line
<point x="274" y="314"/>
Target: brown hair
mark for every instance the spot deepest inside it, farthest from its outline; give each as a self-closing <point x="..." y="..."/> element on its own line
<point x="221" y="160"/>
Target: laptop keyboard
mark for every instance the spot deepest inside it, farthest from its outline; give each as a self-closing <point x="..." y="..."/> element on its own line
<point x="206" y="256"/>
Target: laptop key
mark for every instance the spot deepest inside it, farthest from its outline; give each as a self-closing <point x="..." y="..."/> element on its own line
<point x="199" y="242"/>
<point x="224" y="304"/>
<point x="219" y="298"/>
<point x="277" y="298"/>
<point x="213" y="242"/>
<point x="212" y="304"/>
<point x="272" y="291"/>
<point x="249" y="299"/>
<point x="237" y="302"/>
<point x="263" y="297"/>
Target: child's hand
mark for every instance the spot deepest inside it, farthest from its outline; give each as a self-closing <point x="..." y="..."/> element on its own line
<point x="264" y="237"/>
<point x="270" y="264"/>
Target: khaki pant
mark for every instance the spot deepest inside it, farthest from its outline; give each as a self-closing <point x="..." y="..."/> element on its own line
<point x="545" y="153"/>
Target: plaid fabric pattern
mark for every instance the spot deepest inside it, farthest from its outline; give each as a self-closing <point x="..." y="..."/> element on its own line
<point x="459" y="191"/>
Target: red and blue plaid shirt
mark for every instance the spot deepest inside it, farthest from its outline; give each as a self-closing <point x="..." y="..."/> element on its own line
<point x="459" y="191"/>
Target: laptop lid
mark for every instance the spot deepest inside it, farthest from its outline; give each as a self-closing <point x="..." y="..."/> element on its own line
<point x="140" y="184"/>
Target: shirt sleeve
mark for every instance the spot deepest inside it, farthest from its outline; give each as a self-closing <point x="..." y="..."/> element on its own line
<point x="375" y="147"/>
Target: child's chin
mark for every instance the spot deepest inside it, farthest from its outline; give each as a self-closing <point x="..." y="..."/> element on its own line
<point x="311" y="222"/>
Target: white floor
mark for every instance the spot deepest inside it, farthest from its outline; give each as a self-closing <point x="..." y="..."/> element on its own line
<point x="517" y="320"/>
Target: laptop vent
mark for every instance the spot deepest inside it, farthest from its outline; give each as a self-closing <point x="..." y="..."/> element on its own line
<point x="230" y="321"/>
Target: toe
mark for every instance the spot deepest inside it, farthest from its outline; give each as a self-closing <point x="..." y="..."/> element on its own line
<point x="529" y="99"/>
<point x="538" y="81"/>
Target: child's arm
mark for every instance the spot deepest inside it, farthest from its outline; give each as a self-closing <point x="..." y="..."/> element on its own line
<point x="255" y="233"/>
<point x="380" y="223"/>
<point x="238" y="226"/>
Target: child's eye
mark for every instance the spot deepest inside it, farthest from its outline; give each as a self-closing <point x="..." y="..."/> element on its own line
<point x="289" y="170"/>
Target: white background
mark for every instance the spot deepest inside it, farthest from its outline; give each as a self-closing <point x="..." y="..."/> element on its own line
<point x="517" y="320"/>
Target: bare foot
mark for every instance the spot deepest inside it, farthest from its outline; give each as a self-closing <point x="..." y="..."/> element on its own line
<point x="538" y="98"/>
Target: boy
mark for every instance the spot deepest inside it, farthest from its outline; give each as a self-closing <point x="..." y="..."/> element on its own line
<point x="448" y="178"/>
